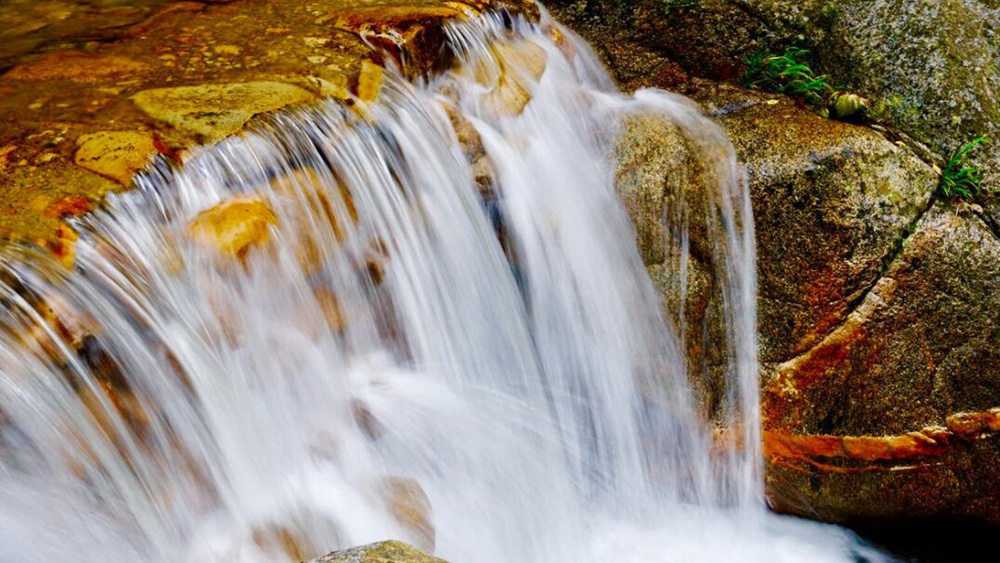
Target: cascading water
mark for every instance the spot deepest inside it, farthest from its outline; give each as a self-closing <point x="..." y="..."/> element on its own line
<point x="481" y="370"/>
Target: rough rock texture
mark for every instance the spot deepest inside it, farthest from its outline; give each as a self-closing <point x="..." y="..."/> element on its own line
<point x="878" y="303"/>
<point x="383" y="552"/>
<point x="90" y="93"/>
<point x="931" y="68"/>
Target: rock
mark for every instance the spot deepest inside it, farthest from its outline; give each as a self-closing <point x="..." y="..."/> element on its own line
<point x="878" y="325"/>
<point x="383" y="552"/>
<point x="369" y="81"/>
<point x="830" y="201"/>
<point x="76" y="67"/>
<point x="329" y="305"/>
<point x="198" y="74"/>
<point x="281" y="539"/>
<point x="116" y="154"/>
<point x="919" y="351"/>
<point x="509" y="76"/>
<point x="410" y="506"/>
<point x="657" y="179"/>
<point x="322" y="207"/>
<point x="931" y="69"/>
<point x="215" y="111"/>
<point x="234" y="225"/>
<point x="412" y="33"/>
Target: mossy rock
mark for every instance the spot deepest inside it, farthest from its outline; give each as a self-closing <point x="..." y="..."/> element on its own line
<point x="391" y="551"/>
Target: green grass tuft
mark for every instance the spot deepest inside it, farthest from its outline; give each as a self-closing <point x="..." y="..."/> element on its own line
<point x="787" y="73"/>
<point x="958" y="179"/>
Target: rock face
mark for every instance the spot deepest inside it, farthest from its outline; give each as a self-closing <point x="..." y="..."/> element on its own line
<point x="383" y="552"/>
<point x="931" y="68"/>
<point x="878" y="301"/>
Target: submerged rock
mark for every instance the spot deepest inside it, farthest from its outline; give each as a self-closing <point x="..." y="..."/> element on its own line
<point x="411" y="508"/>
<point x="234" y="225"/>
<point x="509" y="76"/>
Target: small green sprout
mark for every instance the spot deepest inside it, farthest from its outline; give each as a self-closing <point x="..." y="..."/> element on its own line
<point x="786" y="73"/>
<point x="958" y="178"/>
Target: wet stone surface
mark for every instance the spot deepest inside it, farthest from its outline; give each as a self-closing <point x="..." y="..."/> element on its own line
<point x="91" y="91"/>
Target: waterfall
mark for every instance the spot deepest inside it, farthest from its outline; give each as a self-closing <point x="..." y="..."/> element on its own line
<point x="424" y="318"/>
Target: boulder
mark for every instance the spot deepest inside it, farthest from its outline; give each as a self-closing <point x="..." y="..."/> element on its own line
<point x="877" y="306"/>
<point x="930" y="68"/>
<point x="391" y="551"/>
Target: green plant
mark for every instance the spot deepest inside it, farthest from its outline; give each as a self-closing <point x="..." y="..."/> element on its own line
<point x="787" y="73"/>
<point x="959" y="178"/>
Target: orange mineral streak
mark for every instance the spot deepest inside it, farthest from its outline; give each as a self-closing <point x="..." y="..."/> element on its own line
<point x="910" y="451"/>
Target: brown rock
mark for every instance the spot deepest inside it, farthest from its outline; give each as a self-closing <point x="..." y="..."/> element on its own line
<point x="281" y="539"/>
<point x="234" y="225"/>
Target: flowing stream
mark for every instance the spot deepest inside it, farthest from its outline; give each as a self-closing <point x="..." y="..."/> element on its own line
<point x="426" y="319"/>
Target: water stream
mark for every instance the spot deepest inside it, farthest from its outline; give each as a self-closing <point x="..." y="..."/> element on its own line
<point x="473" y="362"/>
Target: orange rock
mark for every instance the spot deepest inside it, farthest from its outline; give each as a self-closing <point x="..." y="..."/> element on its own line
<point x="830" y="453"/>
<point x="4" y="152"/>
<point x="69" y="206"/>
<point x="77" y="67"/>
<point x="971" y="426"/>
<point x="369" y="81"/>
<point x="234" y="225"/>
<point x="64" y="245"/>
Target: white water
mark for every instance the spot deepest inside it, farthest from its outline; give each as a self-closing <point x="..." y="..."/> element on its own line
<point x="532" y="388"/>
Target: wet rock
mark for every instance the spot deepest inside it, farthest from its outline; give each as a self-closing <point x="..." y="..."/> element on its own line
<point x="383" y="552"/>
<point x="509" y="76"/>
<point x="235" y="225"/>
<point x="117" y="155"/>
<point x="281" y="539"/>
<point x="410" y="506"/>
<point x="877" y="310"/>
<point x="919" y="351"/>
<point x="412" y="33"/>
<point x="76" y="67"/>
<point x="324" y="212"/>
<point x="831" y="202"/>
<point x="330" y="306"/>
<point x="215" y="111"/>
<point x="201" y="69"/>
<point x="369" y="81"/>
